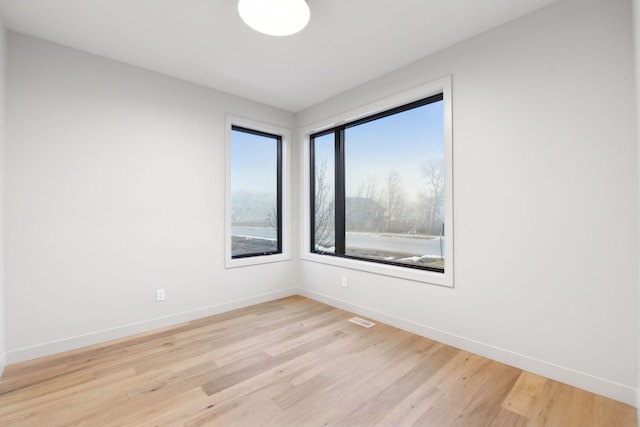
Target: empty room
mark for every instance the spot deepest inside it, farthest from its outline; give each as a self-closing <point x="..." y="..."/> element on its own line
<point x="319" y="213"/>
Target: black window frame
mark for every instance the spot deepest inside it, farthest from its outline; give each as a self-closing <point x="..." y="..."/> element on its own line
<point x="340" y="199"/>
<point x="278" y="139"/>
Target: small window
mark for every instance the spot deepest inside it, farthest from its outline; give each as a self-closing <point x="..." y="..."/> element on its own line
<point x="378" y="187"/>
<point x="256" y="193"/>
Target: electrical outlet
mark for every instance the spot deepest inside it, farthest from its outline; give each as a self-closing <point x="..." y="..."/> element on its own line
<point x="159" y="294"/>
<point x="344" y="282"/>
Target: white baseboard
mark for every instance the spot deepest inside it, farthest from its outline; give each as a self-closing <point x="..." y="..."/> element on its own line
<point x="604" y="387"/>
<point x="72" y="343"/>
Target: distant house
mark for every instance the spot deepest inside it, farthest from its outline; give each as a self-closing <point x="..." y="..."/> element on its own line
<point x="363" y="214"/>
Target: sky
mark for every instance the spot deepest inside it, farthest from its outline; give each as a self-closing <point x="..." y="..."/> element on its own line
<point x="400" y="142"/>
<point x="253" y="163"/>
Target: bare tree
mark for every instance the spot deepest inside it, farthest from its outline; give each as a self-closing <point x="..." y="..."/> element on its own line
<point x="368" y="189"/>
<point x="393" y="199"/>
<point x="324" y="207"/>
<point x="433" y="173"/>
<point x="368" y="213"/>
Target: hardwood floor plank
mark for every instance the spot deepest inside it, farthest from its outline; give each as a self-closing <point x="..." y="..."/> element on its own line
<point x="372" y="410"/>
<point x="607" y="412"/>
<point x="266" y="385"/>
<point x="416" y="404"/>
<point x="248" y="411"/>
<point x="458" y="391"/>
<point x="351" y="367"/>
<point x="269" y="362"/>
<point x="581" y="408"/>
<point x="178" y="408"/>
<point x="102" y="414"/>
<point x="506" y="418"/>
<point x="486" y="402"/>
<point x="64" y="398"/>
<point x="523" y="395"/>
<point x="228" y="353"/>
<point x="553" y="405"/>
<point x="290" y="362"/>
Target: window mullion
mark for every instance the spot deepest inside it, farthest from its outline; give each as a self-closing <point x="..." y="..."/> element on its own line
<point x="279" y="194"/>
<point x="312" y="192"/>
<point x="340" y="192"/>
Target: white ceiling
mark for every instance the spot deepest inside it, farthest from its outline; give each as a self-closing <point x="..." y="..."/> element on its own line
<point x="347" y="42"/>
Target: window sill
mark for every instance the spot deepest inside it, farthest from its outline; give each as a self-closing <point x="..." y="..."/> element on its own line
<point x="256" y="260"/>
<point x="430" y="277"/>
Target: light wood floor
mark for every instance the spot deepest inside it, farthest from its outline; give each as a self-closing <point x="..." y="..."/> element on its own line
<point x="291" y="362"/>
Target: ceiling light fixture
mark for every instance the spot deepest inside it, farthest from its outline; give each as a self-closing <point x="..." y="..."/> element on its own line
<point x="275" y="17"/>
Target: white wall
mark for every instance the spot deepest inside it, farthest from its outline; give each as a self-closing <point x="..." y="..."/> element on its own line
<point x="3" y="51"/>
<point x="545" y="200"/>
<point x="115" y="187"/>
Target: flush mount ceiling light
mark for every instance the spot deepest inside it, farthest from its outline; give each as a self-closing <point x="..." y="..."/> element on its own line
<point x="275" y="17"/>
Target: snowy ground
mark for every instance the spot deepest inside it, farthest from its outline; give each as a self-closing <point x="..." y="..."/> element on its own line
<point x="410" y="249"/>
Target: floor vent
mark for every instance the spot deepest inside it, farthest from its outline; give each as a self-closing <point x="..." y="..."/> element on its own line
<point x="361" y="322"/>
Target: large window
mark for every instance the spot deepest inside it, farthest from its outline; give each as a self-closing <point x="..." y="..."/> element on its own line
<point x="256" y="193"/>
<point x="378" y="187"/>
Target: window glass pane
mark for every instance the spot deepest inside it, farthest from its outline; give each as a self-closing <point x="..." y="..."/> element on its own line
<point x="254" y="194"/>
<point x="324" y="202"/>
<point x="394" y="187"/>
